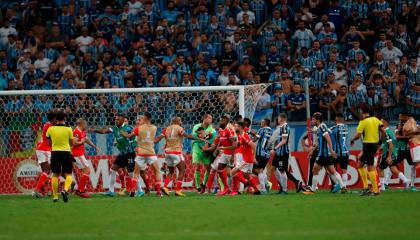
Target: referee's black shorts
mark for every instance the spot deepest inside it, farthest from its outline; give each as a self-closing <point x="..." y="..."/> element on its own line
<point x="369" y="151"/>
<point x="61" y="162"/>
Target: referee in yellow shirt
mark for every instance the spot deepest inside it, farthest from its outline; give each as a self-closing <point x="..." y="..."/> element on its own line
<point x="370" y="129"/>
<point x="61" y="138"/>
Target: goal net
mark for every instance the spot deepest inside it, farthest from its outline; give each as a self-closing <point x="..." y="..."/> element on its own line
<point x="23" y="113"/>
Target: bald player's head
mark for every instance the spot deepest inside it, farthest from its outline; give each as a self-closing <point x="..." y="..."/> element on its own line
<point x="176" y="120"/>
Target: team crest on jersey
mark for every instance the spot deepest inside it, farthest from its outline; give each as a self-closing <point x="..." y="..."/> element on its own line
<point x="25" y="175"/>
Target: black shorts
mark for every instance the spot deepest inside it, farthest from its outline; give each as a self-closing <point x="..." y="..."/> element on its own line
<point x="368" y="155"/>
<point x="342" y="161"/>
<point x="281" y="162"/>
<point x="61" y="162"/>
<point x="126" y="160"/>
<point x="383" y="164"/>
<point x="261" y="162"/>
<point x="324" y="161"/>
<point x="405" y="155"/>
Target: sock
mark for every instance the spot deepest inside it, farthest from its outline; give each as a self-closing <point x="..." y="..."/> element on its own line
<point x="137" y="184"/>
<point x="178" y="185"/>
<point x="262" y="180"/>
<point x="210" y="179"/>
<point x="283" y="181"/>
<point x="388" y="176"/>
<point x="42" y="178"/>
<point x="277" y="175"/>
<point x="363" y="175"/>
<point x="197" y="179"/>
<point x="166" y="181"/>
<point x="235" y="185"/>
<point x="82" y="182"/>
<point x="67" y="183"/>
<point x="337" y="179"/>
<point x="128" y="183"/>
<point x="112" y="179"/>
<point x="241" y="178"/>
<point x="413" y="175"/>
<point x="157" y="187"/>
<point x="253" y="183"/>
<point x="54" y="185"/>
<point x="223" y="178"/>
<point x="372" y="177"/>
<point x="134" y="182"/>
<point x="314" y="182"/>
<point x="206" y="176"/>
<point x="382" y="182"/>
<point x="121" y="175"/>
<point x="402" y="177"/>
<point x="345" y="177"/>
<point x="147" y="183"/>
<point x="292" y="178"/>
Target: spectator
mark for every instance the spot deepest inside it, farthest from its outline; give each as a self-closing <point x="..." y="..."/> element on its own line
<point x="296" y="104"/>
<point x="391" y="53"/>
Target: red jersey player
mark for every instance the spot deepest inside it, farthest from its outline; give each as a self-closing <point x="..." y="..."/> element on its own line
<point x="43" y="155"/>
<point x="244" y="159"/>
<point x="225" y="142"/>
<point x="78" y="152"/>
<point x="174" y="136"/>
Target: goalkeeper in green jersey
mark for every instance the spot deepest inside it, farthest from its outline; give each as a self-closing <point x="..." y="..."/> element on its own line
<point x="390" y="157"/>
<point x="199" y="153"/>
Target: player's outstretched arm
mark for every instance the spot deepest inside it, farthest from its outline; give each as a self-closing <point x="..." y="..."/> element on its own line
<point x="90" y="143"/>
<point x="186" y="135"/>
<point x="127" y="135"/>
<point x="355" y="138"/>
<point x="159" y="138"/>
<point x="102" y="131"/>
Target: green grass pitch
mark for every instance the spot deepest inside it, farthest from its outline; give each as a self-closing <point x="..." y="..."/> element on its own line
<point x="393" y="215"/>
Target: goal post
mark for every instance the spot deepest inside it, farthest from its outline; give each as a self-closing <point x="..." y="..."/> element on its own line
<point x="22" y="114"/>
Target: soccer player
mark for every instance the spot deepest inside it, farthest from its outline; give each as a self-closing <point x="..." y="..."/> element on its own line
<point x="225" y="142"/>
<point x="389" y="156"/>
<point x="78" y="152"/>
<point x="244" y="160"/>
<point x="198" y="155"/>
<point x="403" y="148"/>
<point x="174" y="136"/>
<point x="146" y="156"/>
<point x="339" y="137"/>
<point x="61" y="137"/>
<point x="125" y="159"/>
<point x="370" y="128"/>
<point x="279" y="143"/>
<point x="326" y="154"/>
<point x="263" y="153"/>
<point x="43" y="155"/>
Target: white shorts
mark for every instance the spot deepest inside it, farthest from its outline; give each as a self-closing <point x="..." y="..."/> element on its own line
<point x="81" y="162"/>
<point x="242" y="165"/>
<point x="415" y="153"/>
<point x="43" y="156"/>
<point x="222" y="159"/>
<point x="173" y="159"/>
<point x="143" y="161"/>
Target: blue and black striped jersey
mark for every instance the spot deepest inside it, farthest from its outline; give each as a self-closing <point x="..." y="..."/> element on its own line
<point x="339" y="138"/>
<point x="264" y="134"/>
<point x="323" y="150"/>
<point x="284" y="131"/>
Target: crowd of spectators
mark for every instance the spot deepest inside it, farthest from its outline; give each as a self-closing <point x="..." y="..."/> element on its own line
<point x="351" y="52"/>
